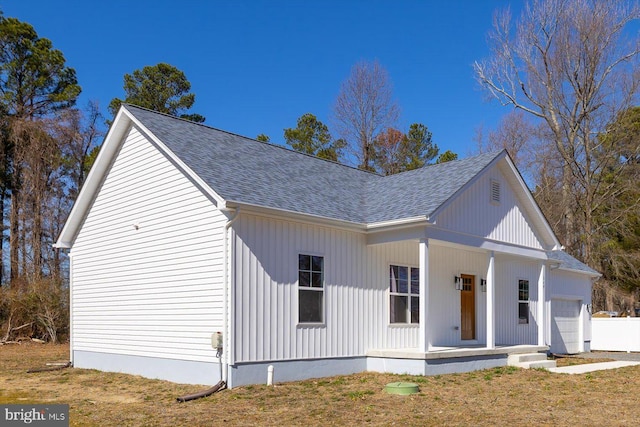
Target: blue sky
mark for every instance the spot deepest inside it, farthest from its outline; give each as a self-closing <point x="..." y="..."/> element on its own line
<point x="256" y="66"/>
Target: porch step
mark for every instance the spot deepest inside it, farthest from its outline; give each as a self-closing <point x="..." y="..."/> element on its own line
<point x="530" y="360"/>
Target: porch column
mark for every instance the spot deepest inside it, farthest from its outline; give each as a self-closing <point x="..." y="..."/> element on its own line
<point x="491" y="299"/>
<point x="423" y="264"/>
<point x="541" y="303"/>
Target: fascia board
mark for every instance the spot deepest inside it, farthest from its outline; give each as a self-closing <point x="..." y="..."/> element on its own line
<point x="296" y="216"/>
<point x="585" y="273"/>
<point x="448" y="237"/>
<point x="403" y="222"/>
<point x="473" y="180"/>
<point x="532" y="203"/>
<point x="108" y="150"/>
<point x="218" y="199"/>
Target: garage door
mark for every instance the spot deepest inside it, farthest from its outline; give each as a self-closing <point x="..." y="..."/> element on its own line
<point x="565" y="326"/>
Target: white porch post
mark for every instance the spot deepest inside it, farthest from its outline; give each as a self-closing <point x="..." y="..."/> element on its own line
<point x="423" y="264"/>
<point x="491" y="299"/>
<point x="541" y="303"/>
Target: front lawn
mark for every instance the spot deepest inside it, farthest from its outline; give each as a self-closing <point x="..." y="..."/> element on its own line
<point x="502" y="396"/>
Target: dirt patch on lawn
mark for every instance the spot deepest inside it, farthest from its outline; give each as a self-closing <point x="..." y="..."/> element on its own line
<point x="501" y="396"/>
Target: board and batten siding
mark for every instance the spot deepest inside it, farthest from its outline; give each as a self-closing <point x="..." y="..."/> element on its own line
<point x="474" y="213"/>
<point x="356" y="304"/>
<point x="356" y="281"/>
<point x="148" y="262"/>
<point x="444" y="317"/>
<point x="509" y="271"/>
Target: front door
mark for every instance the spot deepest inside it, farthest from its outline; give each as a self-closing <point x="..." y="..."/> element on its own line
<point x="468" y="307"/>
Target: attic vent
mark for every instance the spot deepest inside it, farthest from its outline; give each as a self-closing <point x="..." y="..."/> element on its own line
<point x="495" y="192"/>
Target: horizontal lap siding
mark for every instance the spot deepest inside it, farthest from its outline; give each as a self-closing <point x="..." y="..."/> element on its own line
<point x="155" y="291"/>
<point x="473" y="213"/>
<point x="356" y="291"/>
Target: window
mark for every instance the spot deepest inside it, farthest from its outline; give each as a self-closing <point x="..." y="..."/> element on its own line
<point x="310" y="288"/>
<point x="495" y="192"/>
<point x="523" y="301"/>
<point x="404" y="290"/>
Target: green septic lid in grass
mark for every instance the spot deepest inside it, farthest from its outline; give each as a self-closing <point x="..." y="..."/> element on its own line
<point x="401" y="388"/>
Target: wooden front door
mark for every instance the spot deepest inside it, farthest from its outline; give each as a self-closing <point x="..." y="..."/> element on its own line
<point x="468" y="307"/>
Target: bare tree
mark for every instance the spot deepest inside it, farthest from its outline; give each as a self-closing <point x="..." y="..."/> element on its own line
<point x="568" y="65"/>
<point x="80" y="133"/>
<point x="514" y="134"/>
<point x="364" y="108"/>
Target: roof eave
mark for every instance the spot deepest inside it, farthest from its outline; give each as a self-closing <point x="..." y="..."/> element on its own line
<point x="302" y="217"/>
<point x="109" y="148"/>
<point x="463" y="188"/>
<point x="584" y="272"/>
<point x="122" y="123"/>
<point x="218" y="200"/>
<point x="398" y="223"/>
<point x="555" y="243"/>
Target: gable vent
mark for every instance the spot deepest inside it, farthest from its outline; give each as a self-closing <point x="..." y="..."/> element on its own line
<point x="495" y="192"/>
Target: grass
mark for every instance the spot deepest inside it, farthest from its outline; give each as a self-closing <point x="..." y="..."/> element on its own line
<point x="500" y="396"/>
<point x="572" y="360"/>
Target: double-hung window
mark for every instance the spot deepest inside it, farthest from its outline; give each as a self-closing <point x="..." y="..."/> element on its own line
<point x="310" y="288"/>
<point x="404" y="292"/>
<point x="523" y="301"/>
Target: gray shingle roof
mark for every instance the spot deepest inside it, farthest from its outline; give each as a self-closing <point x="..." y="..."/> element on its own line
<point x="243" y="170"/>
<point x="421" y="191"/>
<point x="569" y="262"/>
<point x="246" y="171"/>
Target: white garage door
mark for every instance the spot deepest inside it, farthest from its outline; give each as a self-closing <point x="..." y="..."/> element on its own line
<point x="565" y="326"/>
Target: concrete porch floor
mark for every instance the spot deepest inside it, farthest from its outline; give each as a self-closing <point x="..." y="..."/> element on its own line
<point x="437" y="352"/>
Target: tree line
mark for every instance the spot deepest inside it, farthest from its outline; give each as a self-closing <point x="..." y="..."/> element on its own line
<point x="47" y="147"/>
<point x="567" y="68"/>
<point x="569" y="71"/>
<point x="366" y="115"/>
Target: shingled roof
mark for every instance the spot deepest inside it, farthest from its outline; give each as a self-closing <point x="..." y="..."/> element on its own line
<point x="247" y="171"/>
<point x="568" y="262"/>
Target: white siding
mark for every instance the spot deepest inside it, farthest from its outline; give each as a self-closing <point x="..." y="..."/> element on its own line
<point x="444" y="318"/>
<point x="447" y="262"/>
<point x="509" y="270"/>
<point x="356" y="292"/>
<point x="474" y="213"/>
<point x="156" y="290"/>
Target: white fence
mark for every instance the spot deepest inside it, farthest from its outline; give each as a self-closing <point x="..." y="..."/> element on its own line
<point x="615" y="334"/>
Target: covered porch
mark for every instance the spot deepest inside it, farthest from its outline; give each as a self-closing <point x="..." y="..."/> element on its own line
<point x="475" y="283"/>
<point x="476" y="298"/>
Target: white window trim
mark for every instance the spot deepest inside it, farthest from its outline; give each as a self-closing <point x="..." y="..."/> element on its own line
<point x="527" y="301"/>
<point x="311" y="289"/>
<point x="408" y="294"/>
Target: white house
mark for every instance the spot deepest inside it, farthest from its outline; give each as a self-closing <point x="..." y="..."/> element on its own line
<point x="182" y="231"/>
